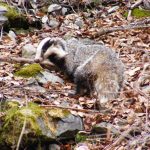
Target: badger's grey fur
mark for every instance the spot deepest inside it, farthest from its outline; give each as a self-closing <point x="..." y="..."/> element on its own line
<point x="93" y="67"/>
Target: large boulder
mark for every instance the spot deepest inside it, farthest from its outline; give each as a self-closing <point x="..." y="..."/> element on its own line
<point x="42" y="124"/>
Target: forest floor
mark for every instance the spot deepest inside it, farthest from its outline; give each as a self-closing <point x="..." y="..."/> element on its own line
<point x="129" y="113"/>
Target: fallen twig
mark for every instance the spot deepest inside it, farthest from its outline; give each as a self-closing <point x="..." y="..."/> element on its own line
<point x="23" y="128"/>
<point x="136" y="25"/>
<point x="77" y="109"/>
<point x="137" y="3"/>
<point x="121" y="138"/>
<point x="21" y="60"/>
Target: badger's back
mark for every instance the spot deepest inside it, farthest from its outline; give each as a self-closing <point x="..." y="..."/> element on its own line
<point x="78" y="53"/>
<point x="102" y="72"/>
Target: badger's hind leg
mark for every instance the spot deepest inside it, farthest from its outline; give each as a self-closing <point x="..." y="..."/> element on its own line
<point x="83" y="78"/>
<point x="83" y="86"/>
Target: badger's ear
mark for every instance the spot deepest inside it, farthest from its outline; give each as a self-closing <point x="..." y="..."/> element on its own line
<point x="63" y="44"/>
<point x="60" y="42"/>
<point x="51" y="42"/>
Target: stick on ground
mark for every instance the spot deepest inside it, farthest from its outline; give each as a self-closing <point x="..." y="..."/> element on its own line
<point x="21" y="60"/>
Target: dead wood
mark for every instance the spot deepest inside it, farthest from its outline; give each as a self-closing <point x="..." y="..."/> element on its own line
<point x="77" y="109"/>
<point x="136" y="4"/>
<point x="10" y="59"/>
<point x="121" y="137"/>
<point x="136" y="25"/>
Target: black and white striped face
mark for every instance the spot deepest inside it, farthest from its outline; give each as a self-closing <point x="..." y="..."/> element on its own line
<point x="50" y="48"/>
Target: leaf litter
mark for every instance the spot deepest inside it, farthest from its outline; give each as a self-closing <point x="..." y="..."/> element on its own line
<point x="129" y="114"/>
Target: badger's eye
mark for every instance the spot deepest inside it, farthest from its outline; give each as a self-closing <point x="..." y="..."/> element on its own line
<point x="52" y="57"/>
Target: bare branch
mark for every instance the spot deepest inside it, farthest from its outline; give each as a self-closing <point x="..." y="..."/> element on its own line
<point x="141" y="24"/>
<point x="76" y="109"/>
<point x="21" y="60"/>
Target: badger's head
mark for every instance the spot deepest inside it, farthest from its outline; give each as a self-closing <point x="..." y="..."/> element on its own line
<point x="51" y="49"/>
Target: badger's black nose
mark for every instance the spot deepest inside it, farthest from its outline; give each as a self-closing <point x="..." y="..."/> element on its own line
<point x="37" y="60"/>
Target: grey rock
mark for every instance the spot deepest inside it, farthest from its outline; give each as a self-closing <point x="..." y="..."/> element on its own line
<point x="113" y="9"/>
<point x="146" y="4"/>
<point x="73" y="21"/>
<point x="12" y="36"/>
<point x="53" y="23"/>
<point x="79" y="22"/>
<point x="44" y="19"/>
<point x="3" y="19"/>
<point x="65" y="128"/>
<point x="35" y="88"/>
<point x="32" y="81"/>
<point x="33" y="85"/>
<point x="69" y="126"/>
<point x="64" y="10"/>
<point x="45" y="130"/>
<point x="54" y="7"/>
<point x="102" y="128"/>
<point x="45" y="77"/>
<point x="28" y="51"/>
<point x="54" y="147"/>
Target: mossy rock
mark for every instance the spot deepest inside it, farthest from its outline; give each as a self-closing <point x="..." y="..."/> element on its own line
<point x="29" y="71"/>
<point x="15" y="19"/>
<point x="11" y="11"/>
<point x="139" y="13"/>
<point x="35" y="118"/>
<point x="13" y="121"/>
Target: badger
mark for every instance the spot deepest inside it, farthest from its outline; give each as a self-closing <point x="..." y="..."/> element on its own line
<point x="93" y="67"/>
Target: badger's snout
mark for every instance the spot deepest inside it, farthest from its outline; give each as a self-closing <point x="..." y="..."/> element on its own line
<point x="39" y="59"/>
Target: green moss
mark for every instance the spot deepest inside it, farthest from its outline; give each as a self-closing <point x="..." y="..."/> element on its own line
<point x="37" y="120"/>
<point x="139" y="13"/>
<point x="29" y="71"/>
<point x="58" y="113"/>
<point x="14" y="119"/>
<point x="15" y="19"/>
<point x="31" y="112"/>
<point x="97" y="2"/>
<point x="12" y="12"/>
<point x="80" y="137"/>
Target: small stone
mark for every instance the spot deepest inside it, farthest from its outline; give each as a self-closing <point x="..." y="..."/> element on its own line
<point x="53" y="8"/>
<point x="113" y="9"/>
<point x="79" y="22"/>
<point x="3" y="10"/>
<point x="69" y="126"/>
<point x="35" y="88"/>
<point x="54" y="147"/>
<point x="28" y="51"/>
<point x="54" y="95"/>
<point x="45" y="77"/>
<point x="44" y="19"/>
<point x="53" y="23"/>
<point x="3" y="19"/>
<point x="12" y="36"/>
<point x="64" y="10"/>
<point x="103" y="127"/>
